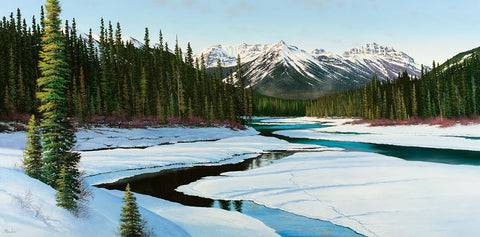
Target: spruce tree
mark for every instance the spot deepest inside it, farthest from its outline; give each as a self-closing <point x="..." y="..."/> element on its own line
<point x="57" y="132"/>
<point x="66" y="196"/>
<point x="131" y="221"/>
<point x="32" y="158"/>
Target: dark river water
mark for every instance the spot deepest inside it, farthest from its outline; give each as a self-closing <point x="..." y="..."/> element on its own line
<point x="164" y="183"/>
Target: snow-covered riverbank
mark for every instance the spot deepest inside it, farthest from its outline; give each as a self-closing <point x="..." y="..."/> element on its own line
<point x="373" y="194"/>
<point x="456" y="137"/>
<point x="40" y="217"/>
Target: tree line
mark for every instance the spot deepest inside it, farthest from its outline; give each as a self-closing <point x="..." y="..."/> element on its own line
<point x="271" y="106"/>
<point x="448" y="90"/>
<point x="109" y="76"/>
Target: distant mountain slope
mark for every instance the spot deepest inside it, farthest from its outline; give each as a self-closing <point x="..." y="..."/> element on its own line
<point x="459" y="58"/>
<point x="285" y="71"/>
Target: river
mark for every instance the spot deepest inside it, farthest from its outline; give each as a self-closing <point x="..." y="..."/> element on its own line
<point x="163" y="184"/>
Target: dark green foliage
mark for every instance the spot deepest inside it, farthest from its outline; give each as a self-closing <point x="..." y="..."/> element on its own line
<point x="57" y="133"/>
<point x="271" y="106"/>
<point x="349" y="103"/>
<point x="109" y="77"/>
<point x="59" y="162"/>
<point x="131" y="223"/>
<point x="448" y="90"/>
<point x="32" y="158"/>
<point x="66" y="196"/>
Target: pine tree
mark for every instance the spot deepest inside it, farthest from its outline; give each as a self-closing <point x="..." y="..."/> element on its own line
<point x="83" y="112"/>
<point x="66" y="196"/>
<point x="131" y="220"/>
<point x="32" y="158"/>
<point x="57" y="132"/>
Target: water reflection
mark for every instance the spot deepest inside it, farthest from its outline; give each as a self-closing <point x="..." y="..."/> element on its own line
<point x="164" y="183"/>
<point x="225" y="205"/>
<point x="238" y="205"/>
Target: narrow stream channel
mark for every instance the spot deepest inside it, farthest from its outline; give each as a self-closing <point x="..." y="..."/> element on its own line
<point x="164" y="183"/>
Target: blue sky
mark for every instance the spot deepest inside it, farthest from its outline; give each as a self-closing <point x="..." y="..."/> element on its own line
<point x="426" y="30"/>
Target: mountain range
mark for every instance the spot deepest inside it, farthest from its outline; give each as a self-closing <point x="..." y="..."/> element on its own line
<point x="285" y="71"/>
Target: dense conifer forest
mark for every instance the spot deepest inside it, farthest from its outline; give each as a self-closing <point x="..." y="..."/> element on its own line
<point x="110" y="77"/>
<point x="271" y="106"/>
<point x="448" y="90"/>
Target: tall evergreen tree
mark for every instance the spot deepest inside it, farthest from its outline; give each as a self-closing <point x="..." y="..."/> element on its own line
<point x="57" y="132"/>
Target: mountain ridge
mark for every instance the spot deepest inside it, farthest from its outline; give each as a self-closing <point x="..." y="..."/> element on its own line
<point x="286" y="71"/>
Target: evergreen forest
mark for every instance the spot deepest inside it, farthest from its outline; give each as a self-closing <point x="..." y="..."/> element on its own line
<point x="449" y="90"/>
<point x="110" y="77"/>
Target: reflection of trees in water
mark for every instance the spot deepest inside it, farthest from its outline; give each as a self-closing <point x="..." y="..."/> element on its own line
<point x="238" y="205"/>
<point x="225" y="205"/>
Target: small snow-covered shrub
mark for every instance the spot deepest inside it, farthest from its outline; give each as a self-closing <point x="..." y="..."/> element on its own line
<point x="25" y="202"/>
<point x="84" y="197"/>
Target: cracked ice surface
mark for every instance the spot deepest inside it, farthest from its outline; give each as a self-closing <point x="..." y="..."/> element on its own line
<point x="373" y="194"/>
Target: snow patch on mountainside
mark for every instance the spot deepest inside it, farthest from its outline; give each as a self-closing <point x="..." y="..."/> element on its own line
<point x="365" y="61"/>
<point x="385" y="61"/>
<point x="284" y="70"/>
<point x="227" y="54"/>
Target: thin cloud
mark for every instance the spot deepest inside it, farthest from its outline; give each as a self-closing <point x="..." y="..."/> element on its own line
<point x="238" y="8"/>
<point x="322" y="4"/>
<point x="191" y="4"/>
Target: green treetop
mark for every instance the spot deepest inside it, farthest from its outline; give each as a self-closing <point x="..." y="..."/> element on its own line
<point x="131" y="220"/>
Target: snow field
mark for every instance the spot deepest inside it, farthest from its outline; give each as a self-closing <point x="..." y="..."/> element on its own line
<point x="374" y="195"/>
<point x="39" y="216"/>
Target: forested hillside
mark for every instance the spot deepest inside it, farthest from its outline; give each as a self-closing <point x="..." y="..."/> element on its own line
<point x="448" y="90"/>
<point x="114" y="78"/>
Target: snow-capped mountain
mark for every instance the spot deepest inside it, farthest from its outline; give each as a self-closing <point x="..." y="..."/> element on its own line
<point x="228" y="54"/>
<point x="385" y="61"/>
<point x="284" y="70"/>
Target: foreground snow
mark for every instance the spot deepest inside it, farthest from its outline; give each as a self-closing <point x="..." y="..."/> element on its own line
<point x="37" y="215"/>
<point x="28" y="209"/>
<point x="373" y="194"/>
<point x="456" y="137"/>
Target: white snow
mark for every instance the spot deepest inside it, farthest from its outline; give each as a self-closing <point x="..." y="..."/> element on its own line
<point x="205" y="221"/>
<point x="373" y="194"/>
<point x="103" y="137"/>
<point x="29" y="209"/>
<point x="227" y="54"/>
<point x="40" y="216"/>
<point x="37" y="214"/>
<point x="456" y="137"/>
<point x="362" y="61"/>
<point x="120" y="163"/>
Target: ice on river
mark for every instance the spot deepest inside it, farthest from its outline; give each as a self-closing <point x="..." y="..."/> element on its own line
<point x="373" y="194"/>
<point x="456" y="137"/>
<point x="110" y="165"/>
